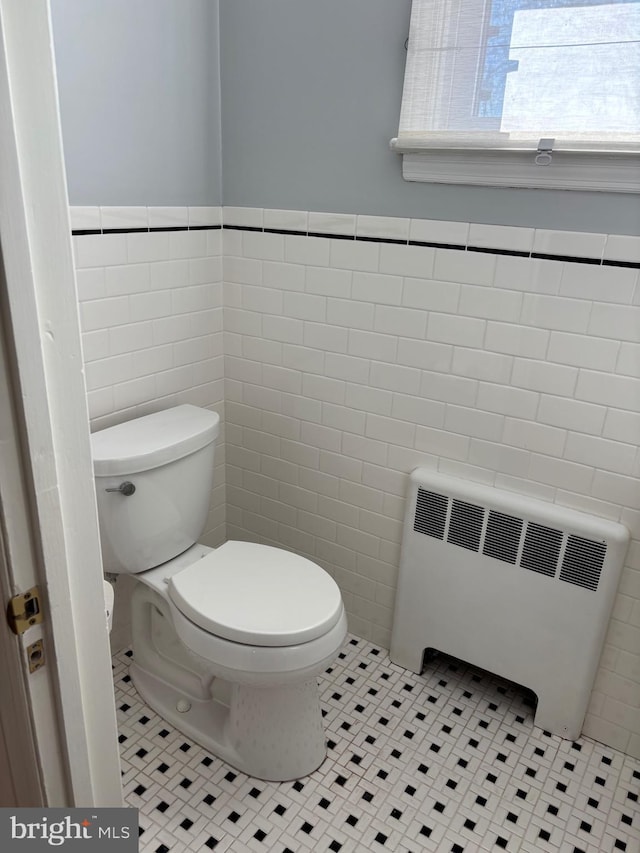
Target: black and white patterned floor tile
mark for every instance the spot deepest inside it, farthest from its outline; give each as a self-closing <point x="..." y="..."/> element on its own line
<point x="448" y="761"/>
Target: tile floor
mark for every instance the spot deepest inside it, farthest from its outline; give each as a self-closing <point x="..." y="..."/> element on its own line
<point x="446" y="761"/>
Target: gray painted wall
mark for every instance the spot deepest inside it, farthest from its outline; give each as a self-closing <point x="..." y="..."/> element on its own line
<point x="310" y="99"/>
<point x="139" y="99"/>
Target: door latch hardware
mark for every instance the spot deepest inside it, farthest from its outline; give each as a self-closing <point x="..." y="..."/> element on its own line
<point x="35" y="655"/>
<point x="24" y="610"/>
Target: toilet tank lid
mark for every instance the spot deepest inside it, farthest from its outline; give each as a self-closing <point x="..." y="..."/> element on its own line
<point x="152" y="440"/>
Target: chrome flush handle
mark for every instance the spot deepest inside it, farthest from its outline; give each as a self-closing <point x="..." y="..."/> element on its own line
<point x="125" y="489"/>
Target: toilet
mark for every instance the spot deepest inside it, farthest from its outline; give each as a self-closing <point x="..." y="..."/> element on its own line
<point x="227" y="642"/>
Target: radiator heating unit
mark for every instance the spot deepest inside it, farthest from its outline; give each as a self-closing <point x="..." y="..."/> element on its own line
<point x="516" y="586"/>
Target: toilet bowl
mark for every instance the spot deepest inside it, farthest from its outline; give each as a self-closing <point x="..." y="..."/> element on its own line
<point x="227" y="642"/>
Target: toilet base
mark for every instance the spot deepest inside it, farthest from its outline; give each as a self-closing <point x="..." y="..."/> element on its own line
<point x="270" y="733"/>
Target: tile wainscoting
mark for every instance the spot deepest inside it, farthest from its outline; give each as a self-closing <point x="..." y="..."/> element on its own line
<point x="149" y="284"/>
<point x="356" y="348"/>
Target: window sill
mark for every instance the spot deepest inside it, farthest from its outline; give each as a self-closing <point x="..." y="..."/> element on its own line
<point x="569" y="170"/>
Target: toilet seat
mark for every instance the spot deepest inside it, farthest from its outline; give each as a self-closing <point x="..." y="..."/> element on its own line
<point x="257" y="595"/>
<point x="260" y="666"/>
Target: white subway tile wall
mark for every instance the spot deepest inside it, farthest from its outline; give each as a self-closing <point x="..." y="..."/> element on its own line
<point x="151" y="316"/>
<point x="350" y="361"/>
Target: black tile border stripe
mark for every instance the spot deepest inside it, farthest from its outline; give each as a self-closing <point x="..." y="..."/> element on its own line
<point x="632" y="265"/>
<point x="324" y="236"/>
<point x="126" y="230"/>
<point x="166" y="228"/>
<point x="393" y="240"/>
<point x="459" y="247"/>
<point x="283" y="231"/>
<point x="83" y="232"/>
<point x="514" y="253"/>
<point x="570" y="259"/>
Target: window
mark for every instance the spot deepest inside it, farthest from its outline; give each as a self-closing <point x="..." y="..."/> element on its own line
<point x="523" y="93"/>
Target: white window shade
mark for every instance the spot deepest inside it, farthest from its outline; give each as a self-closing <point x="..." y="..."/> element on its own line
<point x="502" y="75"/>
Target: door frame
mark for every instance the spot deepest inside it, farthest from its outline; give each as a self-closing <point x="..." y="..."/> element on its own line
<point x="70" y="700"/>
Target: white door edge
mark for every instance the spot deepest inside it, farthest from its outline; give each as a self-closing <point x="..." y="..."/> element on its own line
<point x="46" y="357"/>
<point x="33" y="776"/>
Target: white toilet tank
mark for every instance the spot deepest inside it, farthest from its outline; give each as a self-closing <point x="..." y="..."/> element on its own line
<point x="154" y="477"/>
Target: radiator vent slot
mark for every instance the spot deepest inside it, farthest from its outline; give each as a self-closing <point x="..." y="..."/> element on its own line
<point x="502" y="539"/>
<point x="510" y="539"/>
<point x="431" y="514"/>
<point x="582" y="562"/>
<point x="541" y="549"/>
<point x="465" y="525"/>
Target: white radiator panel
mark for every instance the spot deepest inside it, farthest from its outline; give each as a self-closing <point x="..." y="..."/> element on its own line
<point x="516" y="586"/>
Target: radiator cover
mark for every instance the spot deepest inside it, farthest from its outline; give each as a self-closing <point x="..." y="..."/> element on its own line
<point x="517" y="586"/>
